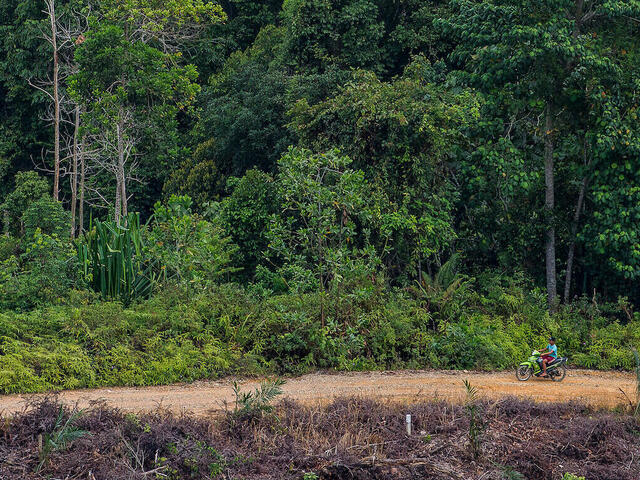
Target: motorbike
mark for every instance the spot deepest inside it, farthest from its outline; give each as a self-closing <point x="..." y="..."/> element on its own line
<point x="556" y="370"/>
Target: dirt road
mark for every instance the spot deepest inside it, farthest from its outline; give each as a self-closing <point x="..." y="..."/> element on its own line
<point x="600" y="389"/>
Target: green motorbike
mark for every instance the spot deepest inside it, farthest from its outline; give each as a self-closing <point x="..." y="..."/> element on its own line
<point x="556" y="370"/>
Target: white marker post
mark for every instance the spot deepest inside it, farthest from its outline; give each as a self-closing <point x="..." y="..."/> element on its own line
<point x="408" y="421"/>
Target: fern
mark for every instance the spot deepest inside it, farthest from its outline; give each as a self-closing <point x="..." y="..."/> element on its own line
<point x="442" y="288"/>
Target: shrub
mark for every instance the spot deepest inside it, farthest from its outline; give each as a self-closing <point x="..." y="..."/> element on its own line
<point x="187" y="249"/>
<point x="29" y="187"/>
<point x="180" y="336"/>
<point x="42" y="275"/>
<point x="246" y="214"/>
<point x="48" y="216"/>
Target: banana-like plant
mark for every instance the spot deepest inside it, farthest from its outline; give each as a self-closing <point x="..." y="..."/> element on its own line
<point x="112" y="258"/>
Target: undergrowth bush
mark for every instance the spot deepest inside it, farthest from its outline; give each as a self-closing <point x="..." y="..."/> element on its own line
<point x="180" y="337"/>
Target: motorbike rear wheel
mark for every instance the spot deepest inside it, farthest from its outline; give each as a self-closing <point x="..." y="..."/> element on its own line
<point x="560" y="373"/>
<point x="523" y="373"/>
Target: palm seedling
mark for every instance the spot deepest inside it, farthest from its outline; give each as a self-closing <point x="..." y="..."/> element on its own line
<point x="60" y="437"/>
<point x="476" y="424"/>
<point x="249" y="405"/>
<point x="440" y="290"/>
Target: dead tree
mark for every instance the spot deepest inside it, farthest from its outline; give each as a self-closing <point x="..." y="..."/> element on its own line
<point x="66" y="31"/>
<point x="115" y="153"/>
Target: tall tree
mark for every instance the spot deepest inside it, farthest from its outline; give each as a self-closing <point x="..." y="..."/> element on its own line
<point x="405" y="145"/>
<point x="132" y="83"/>
<point x="24" y="54"/>
<point x="53" y="39"/>
<point x="65" y="32"/>
<point x="545" y="56"/>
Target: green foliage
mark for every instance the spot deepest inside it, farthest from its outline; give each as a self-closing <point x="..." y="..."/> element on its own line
<point x="243" y="121"/>
<point x="608" y="234"/>
<point x="509" y="473"/>
<point x="43" y="273"/>
<point x="555" y="57"/>
<point x="177" y="336"/>
<point x="249" y="405"/>
<point x="112" y="258"/>
<point x="9" y="247"/>
<point x="477" y="425"/>
<point x="369" y="172"/>
<point x="345" y="33"/>
<point x="47" y="215"/>
<point x="29" y="187"/>
<point x="571" y="476"/>
<point x="133" y="85"/>
<point x="437" y="103"/>
<point x="445" y="291"/>
<point x="36" y="262"/>
<point x="105" y="344"/>
<point x="160" y="19"/>
<point x="317" y="239"/>
<point x="402" y="145"/>
<point x="246" y="214"/>
<point x="186" y="249"/>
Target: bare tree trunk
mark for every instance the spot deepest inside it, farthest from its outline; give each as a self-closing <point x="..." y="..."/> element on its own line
<point x="572" y="246"/>
<point x="74" y="173"/>
<point x="549" y="203"/>
<point x="117" y="206"/>
<point x="120" y="201"/>
<point x="123" y="186"/>
<point x="82" y="178"/>
<point x="577" y="26"/>
<point x="51" y="9"/>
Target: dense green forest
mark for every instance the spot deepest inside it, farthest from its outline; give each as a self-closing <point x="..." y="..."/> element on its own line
<point x="191" y="188"/>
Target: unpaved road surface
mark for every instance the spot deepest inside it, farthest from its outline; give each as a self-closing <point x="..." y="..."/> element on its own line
<point x="598" y="389"/>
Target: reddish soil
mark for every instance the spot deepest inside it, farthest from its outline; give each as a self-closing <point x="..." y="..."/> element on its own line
<point x="598" y="389"/>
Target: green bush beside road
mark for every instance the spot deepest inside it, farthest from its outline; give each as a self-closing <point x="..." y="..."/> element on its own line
<point x="177" y="337"/>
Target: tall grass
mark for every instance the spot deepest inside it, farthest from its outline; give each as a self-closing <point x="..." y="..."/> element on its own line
<point x="112" y="259"/>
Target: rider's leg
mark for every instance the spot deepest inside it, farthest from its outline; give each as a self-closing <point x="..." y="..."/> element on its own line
<point x="544" y="367"/>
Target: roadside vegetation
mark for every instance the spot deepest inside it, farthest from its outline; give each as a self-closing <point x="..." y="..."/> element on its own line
<point x="191" y="189"/>
<point x="175" y="336"/>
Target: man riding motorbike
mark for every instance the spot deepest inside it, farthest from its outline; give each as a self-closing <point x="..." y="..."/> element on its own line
<point x="548" y="356"/>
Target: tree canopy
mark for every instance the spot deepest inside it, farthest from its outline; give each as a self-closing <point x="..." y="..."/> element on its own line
<point x="326" y="143"/>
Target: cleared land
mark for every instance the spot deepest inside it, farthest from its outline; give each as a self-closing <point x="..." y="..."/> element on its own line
<point x="598" y="389"/>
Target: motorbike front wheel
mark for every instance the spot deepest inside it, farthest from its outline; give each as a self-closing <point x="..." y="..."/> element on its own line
<point x="524" y="372"/>
<point x="560" y="373"/>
